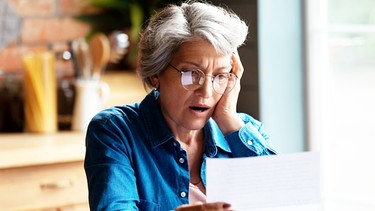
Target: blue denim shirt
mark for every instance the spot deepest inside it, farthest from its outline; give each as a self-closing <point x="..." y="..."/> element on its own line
<point x="133" y="162"/>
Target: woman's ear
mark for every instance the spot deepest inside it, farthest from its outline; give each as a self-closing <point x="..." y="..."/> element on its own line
<point x="154" y="81"/>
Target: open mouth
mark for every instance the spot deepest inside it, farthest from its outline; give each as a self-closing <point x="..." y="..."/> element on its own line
<point x="197" y="108"/>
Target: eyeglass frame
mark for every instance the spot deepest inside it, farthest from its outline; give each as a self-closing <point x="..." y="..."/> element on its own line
<point x="204" y="78"/>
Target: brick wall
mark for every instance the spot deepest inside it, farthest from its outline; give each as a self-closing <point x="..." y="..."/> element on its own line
<point x="46" y="24"/>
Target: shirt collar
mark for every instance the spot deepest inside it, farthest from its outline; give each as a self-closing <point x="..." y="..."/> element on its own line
<point x="159" y="133"/>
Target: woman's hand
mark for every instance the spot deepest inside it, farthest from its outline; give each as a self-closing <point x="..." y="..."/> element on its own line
<point x="217" y="206"/>
<point x="225" y="113"/>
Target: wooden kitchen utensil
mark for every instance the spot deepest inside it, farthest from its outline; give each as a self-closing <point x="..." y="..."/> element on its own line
<point x="100" y="51"/>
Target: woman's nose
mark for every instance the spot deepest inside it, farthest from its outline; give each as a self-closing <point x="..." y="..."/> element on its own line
<point x="206" y="90"/>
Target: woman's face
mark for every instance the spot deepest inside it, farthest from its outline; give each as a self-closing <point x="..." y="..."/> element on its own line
<point x="184" y="109"/>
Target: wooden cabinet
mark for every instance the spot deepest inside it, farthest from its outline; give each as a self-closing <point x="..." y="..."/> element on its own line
<point x="42" y="172"/>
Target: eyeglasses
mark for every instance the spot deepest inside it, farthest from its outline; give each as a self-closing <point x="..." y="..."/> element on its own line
<point x="194" y="79"/>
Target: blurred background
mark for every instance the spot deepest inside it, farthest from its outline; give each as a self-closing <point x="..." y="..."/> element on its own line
<point x="309" y="74"/>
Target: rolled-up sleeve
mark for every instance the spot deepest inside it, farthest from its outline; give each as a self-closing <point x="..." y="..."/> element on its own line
<point x="250" y="140"/>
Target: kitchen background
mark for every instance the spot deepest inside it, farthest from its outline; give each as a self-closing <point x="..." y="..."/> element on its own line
<point x="309" y="79"/>
<point x="51" y="25"/>
<point x="44" y="25"/>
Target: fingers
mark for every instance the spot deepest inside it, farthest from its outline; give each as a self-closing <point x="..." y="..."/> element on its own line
<point x="237" y="67"/>
<point x="217" y="206"/>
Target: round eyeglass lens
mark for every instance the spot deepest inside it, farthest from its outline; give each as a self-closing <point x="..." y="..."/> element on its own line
<point x="192" y="80"/>
<point x="224" y="83"/>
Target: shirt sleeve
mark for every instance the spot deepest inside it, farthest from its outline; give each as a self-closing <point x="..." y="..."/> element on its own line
<point x="107" y="160"/>
<point x="250" y="140"/>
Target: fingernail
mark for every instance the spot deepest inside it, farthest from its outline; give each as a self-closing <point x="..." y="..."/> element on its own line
<point x="226" y="205"/>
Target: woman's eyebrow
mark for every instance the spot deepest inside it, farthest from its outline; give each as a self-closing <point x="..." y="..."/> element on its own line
<point x="227" y="68"/>
<point x="198" y="66"/>
<point x="191" y="63"/>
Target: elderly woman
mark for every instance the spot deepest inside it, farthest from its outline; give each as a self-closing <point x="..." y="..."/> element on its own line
<point x="151" y="155"/>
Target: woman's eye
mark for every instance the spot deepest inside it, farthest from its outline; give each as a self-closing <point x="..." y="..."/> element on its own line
<point x="223" y="75"/>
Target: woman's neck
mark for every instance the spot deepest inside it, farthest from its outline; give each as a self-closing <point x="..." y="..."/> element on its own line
<point x="194" y="147"/>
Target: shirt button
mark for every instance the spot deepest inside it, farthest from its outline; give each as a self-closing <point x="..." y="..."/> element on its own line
<point x="183" y="194"/>
<point x="249" y="142"/>
<point x="174" y="144"/>
<point x="181" y="160"/>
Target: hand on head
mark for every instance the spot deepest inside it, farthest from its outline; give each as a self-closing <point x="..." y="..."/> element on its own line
<point x="226" y="109"/>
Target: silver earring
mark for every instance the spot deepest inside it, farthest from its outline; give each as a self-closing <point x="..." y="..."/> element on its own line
<point x="156" y="93"/>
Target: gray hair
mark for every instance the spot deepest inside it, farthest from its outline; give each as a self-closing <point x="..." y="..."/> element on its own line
<point x="175" y="25"/>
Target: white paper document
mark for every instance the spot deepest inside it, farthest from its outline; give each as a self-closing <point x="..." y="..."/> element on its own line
<point x="266" y="183"/>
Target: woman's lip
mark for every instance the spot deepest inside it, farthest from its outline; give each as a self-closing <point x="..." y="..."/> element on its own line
<point x="199" y="107"/>
<point x="199" y="110"/>
<point x="203" y="105"/>
<point x="199" y="113"/>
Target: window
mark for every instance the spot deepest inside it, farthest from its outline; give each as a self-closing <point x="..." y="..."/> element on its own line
<point x="340" y="41"/>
